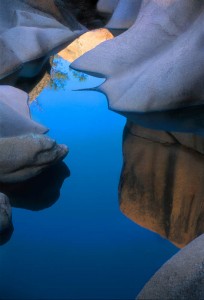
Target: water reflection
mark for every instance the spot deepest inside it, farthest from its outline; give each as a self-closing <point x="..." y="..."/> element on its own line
<point x="161" y="186"/>
<point x="55" y="74"/>
<point x="81" y="247"/>
<point x="39" y="192"/>
<point x="60" y="74"/>
<point x="35" y="194"/>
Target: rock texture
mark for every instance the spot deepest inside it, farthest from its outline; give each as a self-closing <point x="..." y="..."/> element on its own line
<point x="161" y="185"/>
<point x="124" y="14"/>
<point x="85" y="43"/>
<point x="29" y="35"/>
<point x="182" y="277"/>
<point x="15" y="115"/>
<point x="157" y="64"/>
<point x="26" y="156"/>
<point x="5" y="213"/>
<point x="24" y="151"/>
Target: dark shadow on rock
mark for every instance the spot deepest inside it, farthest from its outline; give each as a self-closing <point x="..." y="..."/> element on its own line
<point x="39" y="192"/>
<point x="188" y="119"/>
<point x="6" y="235"/>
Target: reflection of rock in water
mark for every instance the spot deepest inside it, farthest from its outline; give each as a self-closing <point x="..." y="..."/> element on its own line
<point x="34" y="86"/>
<point x="39" y="192"/>
<point x="161" y="185"/>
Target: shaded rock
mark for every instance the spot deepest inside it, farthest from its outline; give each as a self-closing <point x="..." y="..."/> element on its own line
<point x="26" y="156"/>
<point x="105" y="6"/>
<point x="49" y="7"/>
<point x="124" y="14"/>
<point x="182" y="277"/>
<point x="189" y="140"/>
<point x="161" y="185"/>
<point x="188" y="119"/>
<point x="157" y="64"/>
<point x="28" y="36"/>
<point x="85" y="43"/>
<point x="83" y="11"/>
<point x="6" y="235"/>
<point x="5" y="213"/>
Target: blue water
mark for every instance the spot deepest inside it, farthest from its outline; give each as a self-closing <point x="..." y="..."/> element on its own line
<point x="81" y="247"/>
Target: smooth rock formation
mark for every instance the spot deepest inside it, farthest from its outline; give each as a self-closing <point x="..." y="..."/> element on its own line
<point x="182" y="277"/>
<point x="28" y="36"/>
<point x="85" y="43"/>
<point x="15" y="115"/>
<point x="157" y="64"/>
<point x="161" y="185"/>
<point x="24" y="151"/>
<point x="5" y="213"/>
<point x="26" y="156"/>
<point x="124" y="14"/>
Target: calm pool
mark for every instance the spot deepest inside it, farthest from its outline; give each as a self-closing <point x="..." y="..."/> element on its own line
<point x="81" y="247"/>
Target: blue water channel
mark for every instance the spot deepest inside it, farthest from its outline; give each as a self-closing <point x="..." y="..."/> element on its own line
<point x="80" y="246"/>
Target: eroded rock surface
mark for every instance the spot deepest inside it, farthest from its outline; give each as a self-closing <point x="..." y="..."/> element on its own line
<point x="157" y="64"/>
<point x="25" y="156"/>
<point x="28" y="35"/>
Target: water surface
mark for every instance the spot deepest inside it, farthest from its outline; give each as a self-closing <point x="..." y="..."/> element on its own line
<point x="82" y="247"/>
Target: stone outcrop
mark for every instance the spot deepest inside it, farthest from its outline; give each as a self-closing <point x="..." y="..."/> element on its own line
<point x="26" y="156"/>
<point x="161" y="186"/>
<point x="182" y="277"/>
<point x="15" y="115"/>
<point x="28" y="36"/>
<point x="24" y="150"/>
<point x="157" y="64"/>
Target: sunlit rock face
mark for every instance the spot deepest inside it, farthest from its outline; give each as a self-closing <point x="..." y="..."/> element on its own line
<point x="161" y="185"/>
<point x="182" y="277"/>
<point x="157" y="64"/>
<point x="85" y="43"/>
<point x="5" y="213"/>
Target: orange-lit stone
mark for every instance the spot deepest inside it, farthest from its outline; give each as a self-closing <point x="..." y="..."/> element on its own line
<point x="85" y="43"/>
